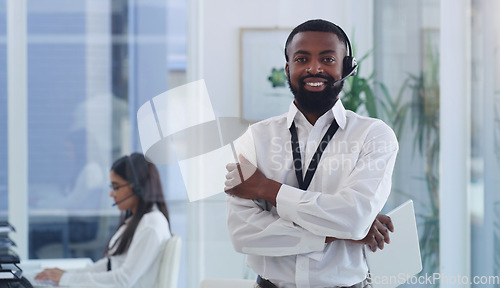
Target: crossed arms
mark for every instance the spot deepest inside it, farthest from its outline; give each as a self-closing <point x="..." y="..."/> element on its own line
<point x="257" y="186"/>
<point x="270" y="218"/>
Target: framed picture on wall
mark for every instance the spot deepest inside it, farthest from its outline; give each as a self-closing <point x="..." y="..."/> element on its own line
<point x="263" y="82"/>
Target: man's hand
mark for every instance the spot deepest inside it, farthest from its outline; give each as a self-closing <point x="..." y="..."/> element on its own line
<point x="246" y="181"/>
<point x="378" y="234"/>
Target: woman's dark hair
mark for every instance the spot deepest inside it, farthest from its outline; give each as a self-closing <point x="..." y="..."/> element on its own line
<point x="147" y="186"/>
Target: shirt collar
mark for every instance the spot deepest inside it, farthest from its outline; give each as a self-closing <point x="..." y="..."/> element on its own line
<point x="338" y="112"/>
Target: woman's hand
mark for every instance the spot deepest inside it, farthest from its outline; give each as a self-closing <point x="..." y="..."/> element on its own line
<point x="52" y="274"/>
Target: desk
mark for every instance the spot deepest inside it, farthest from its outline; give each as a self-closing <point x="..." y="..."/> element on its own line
<point x="32" y="267"/>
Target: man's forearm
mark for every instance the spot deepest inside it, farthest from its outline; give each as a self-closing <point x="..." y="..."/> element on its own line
<point x="269" y="191"/>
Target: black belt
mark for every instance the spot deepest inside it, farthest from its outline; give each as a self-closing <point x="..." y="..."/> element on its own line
<point x="263" y="283"/>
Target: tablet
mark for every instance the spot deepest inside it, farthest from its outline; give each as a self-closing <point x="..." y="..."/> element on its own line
<point x="400" y="260"/>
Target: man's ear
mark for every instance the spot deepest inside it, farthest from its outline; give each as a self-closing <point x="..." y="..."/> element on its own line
<point x="287" y="70"/>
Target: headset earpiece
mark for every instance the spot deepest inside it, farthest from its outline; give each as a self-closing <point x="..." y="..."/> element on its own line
<point x="136" y="188"/>
<point x="349" y="65"/>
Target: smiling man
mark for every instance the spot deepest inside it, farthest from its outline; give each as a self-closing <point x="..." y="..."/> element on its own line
<point x="315" y="60"/>
<point x="305" y="196"/>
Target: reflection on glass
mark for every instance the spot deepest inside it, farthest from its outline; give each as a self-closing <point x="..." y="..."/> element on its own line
<point x="91" y="64"/>
<point x="70" y="109"/>
<point x="413" y="86"/>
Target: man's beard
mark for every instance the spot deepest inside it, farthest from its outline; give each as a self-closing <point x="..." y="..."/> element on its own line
<point x="316" y="102"/>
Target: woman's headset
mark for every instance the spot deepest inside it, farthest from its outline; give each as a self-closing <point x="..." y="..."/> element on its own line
<point x="136" y="188"/>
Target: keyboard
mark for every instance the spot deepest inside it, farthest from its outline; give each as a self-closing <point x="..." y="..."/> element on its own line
<point x="38" y="283"/>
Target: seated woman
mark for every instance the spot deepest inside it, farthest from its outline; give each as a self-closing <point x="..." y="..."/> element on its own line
<point x="134" y="252"/>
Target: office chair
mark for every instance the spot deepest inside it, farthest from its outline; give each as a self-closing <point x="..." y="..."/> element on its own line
<point x="227" y="283"/>
<point x="169" y="265"/>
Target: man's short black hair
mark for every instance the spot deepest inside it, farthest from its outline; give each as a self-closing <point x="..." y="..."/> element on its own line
<point x="317" y="25"/>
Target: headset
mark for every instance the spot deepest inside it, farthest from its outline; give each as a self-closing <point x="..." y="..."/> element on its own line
<point x="349" y="65"/>
<point x="136" y="188"/>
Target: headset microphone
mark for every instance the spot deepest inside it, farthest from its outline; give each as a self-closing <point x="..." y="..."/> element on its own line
<point x="353" y="72"/>
<point x="120" y="201"/>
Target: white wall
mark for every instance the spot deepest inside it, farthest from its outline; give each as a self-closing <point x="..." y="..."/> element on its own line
<point x="215" y="25"/>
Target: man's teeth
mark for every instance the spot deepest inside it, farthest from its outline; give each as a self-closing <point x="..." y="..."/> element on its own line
<point x="316" y="84"/>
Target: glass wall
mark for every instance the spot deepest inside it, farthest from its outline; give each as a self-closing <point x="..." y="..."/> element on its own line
<point x="71" y="108"/>
<point x="485" y="143"/>
<point x="3" y="112"/>
<point x="91" y="65"/>
<point x="406" y="61"/>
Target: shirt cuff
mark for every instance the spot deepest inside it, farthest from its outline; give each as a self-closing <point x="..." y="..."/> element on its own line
<point x="312" y="244"/>
<point x="65" y="279"/>
<point x="286" y="202"/>
<point x="286" y="205"/>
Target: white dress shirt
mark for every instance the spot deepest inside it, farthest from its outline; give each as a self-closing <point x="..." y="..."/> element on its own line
<point x="286" y="243"/>
<point x="138" y="267"/>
